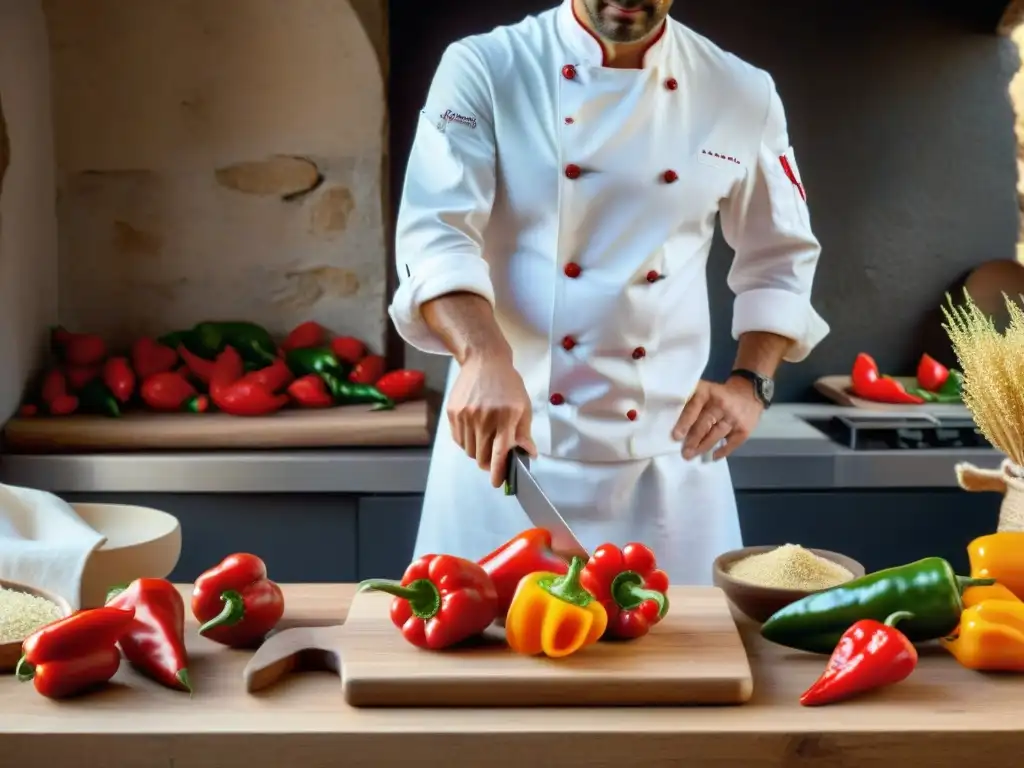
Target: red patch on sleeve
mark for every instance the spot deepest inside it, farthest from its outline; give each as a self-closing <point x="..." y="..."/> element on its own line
<point x="788" y="169"/>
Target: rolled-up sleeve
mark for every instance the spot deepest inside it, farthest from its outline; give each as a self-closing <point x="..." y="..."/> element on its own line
<point x="767" y="223"/>
<point x="447" y="196"/>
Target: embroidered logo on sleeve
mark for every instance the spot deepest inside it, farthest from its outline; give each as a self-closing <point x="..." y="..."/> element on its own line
<point x="451" y="116"/>
<point x="787" y="168"/>
<point x="730" y="158"/>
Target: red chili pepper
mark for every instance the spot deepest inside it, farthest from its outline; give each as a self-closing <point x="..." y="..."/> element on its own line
<point x="236" y="603"/>
<point x="402" y="385"/>
<point x="310" y="392"/>
<point x="273" y="377"/>
<point x="54" y="385"/>
<point x="368" y="370"/>
<point x="868" y="383"/>
<point x="200" y="368"/>
<point x="119" y="378"/>
<point x="441" y="600"/>
<point x="348" y="349"/>
<point x="869" y="655"/>
<point x="28" y="410"/>
<point x="64" y="405"/>
<point x="149" y="356"/>
<point x="227" y="368"/>
<point x="305" y="335"/>
<point x="155" y="640"/>
<point x="80" y="375"/>
<point x="630" y="586"/>
<point x="76" y="653"/>
<point x="931" y="374"/>
<point x="239" y="396"/>
<point x="529" y="552"/>
<point x="170" y="391"/>
<point x="78" y="348"/>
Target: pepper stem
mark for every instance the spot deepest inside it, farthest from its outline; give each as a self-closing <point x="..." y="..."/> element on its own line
<point x="232" y="613"/>
<point x="568" y="588"/>
<point x="184" y="681"/>
<point x="897" y="617"/>
<point x="114" y="592"/>
<point x="24" y="670"/>
<point x="423" y="596"/>
<point x="629" y="593"/>
<point x="964" y="582"/>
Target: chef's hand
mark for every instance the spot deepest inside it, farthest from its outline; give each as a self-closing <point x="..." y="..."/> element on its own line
<point x="715" y="412"/>
<point x="489" y="412"/>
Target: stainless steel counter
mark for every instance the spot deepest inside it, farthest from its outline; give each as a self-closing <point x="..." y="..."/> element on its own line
<point x="785" y="452"/>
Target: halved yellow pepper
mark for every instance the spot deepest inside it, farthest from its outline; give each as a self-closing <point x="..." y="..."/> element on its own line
<point x="999" y="556"/>
<point x="990" y="637"/>
<point x="973" y="596"/>
<point x="554" y="615"/>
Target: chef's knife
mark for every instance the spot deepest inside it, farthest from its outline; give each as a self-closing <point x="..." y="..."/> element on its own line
<point x="538" y="507"/>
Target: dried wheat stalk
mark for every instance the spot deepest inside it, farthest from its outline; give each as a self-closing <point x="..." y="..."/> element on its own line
<point x="993" y="368"/>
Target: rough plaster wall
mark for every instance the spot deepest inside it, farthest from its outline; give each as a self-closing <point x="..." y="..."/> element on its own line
<point x="219" y="160"/>
<point x="28" y="228"/>
<point x="1017" y="97"/>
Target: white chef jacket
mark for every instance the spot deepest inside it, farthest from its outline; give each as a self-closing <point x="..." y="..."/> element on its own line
<point x="580" y="200"/>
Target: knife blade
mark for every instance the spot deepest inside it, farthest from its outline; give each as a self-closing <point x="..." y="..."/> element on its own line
<point x="538" y="507"/>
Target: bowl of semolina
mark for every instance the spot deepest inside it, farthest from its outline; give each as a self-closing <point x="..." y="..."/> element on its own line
<point x="23" y="610"/>
<point x="762" y="580"/>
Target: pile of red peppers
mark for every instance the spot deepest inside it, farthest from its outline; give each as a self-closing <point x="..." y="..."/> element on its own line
<point x="934" y="383"/>
<point x="235" y="367"/>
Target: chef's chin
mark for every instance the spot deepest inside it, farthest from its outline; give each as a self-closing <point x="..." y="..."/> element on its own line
<point x="616" y="26"/>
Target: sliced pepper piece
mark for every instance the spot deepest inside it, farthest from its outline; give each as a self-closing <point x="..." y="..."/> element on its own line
<point x="867" y="382"/>
<point x="554" y="615"/>
<point x="990" y="637"/>
<point x="931" y="374"/>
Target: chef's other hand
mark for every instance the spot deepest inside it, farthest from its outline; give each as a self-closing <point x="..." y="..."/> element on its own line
<point x="715" y="412"/>
<point x="489" y="412"/>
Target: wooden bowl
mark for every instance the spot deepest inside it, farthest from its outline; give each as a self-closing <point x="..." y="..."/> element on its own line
<point x="757" y="602"/>
<point x="141" y="543"/>
<point x="10" y="653"/>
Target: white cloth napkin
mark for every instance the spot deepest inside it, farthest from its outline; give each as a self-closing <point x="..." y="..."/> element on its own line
<point x="43" y="542"/>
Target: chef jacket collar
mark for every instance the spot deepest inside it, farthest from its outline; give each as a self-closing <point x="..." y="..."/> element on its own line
<point x="585" y="44"/>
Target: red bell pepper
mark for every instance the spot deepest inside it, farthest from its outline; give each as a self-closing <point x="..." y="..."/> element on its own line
<point x="305" y="335"/>
<point x="630" y="586"/>
<point x="440" y="601"/>
<point x="348" y="349"/>
<point x="931" y="374"/>
<point x="76" y="653"/>
<point x="199" y="367"/>
<point x="368" y="370"/>
<point x="78" y="348"/>
<point x="150" y="357"/>
<point x="869" y="655"/>
<point x="79" y="376"/>
<point x="529" y="552"/>
<point x="310" y="392"/>
<point x="119" y="378"/>
<point x="868" y="382"/>
<point x="155" y="641"/>
<point x="402" y="385"/>
<point x="239" y="396"/>
<point x="235" y="602"/>
<point x="273" y="377"/>
<point x="170" y="391"/>
<point x="64" y="405"/>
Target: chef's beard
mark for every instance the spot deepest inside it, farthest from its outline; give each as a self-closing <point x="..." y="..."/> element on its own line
<point x="618" y="29"/>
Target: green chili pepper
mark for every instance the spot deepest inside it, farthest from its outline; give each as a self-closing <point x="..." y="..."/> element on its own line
<point x="929" y="588"/>
<point x="253" y="342"/>
<point x="189" y="340"/>
<point x="321" y="360"/>
<point x="96" y="397"/>
<point x="952" y="388"/>
<point x="347" y="393"/>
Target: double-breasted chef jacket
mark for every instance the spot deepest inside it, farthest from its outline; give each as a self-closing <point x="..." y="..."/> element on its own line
<point x="581" y="200"/>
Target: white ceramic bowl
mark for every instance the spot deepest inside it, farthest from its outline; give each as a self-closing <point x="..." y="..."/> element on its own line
<point x="141" y="542"/>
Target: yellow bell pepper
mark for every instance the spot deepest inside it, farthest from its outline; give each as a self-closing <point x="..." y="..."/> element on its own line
<point x="990" y="637"/>
<point x="554" y="615"/>
<point x="973" y="596"/>
<point x="999" y="556"/>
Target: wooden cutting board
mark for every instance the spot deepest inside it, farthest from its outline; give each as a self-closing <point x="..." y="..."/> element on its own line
<point x="694" y="656"/>
<point x="352" y="425"/>
<point x="837" y="389"/>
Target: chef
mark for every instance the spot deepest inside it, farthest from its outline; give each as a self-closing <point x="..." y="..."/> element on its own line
<point x="553" y="236"/>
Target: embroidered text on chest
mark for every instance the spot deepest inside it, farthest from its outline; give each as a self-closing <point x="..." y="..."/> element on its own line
<point x="455" y="117"/>
<point x="720" y="157"/>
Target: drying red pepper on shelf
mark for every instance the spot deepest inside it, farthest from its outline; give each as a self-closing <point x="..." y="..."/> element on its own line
<point x="931" y="374"/>
<point x="867" y="382"/>
<point x="310" y="391"/>
<point x="65" y="405"/>
<point x="235" y="602"/>
<point x="150" y="357"/>
<point x="77" y="348"/>
<point x="529" y="552"/>
<point x="273" y="377"/>
<point x="119" y="378"/>
<point x="76" y="653"/>
<point x="170" y="391"/>
<point x="239" y="396"/>
<point x="630" y="586"/>
<point x="28" y="410"/>
<point x="402" y="385"/>
<point x="199" y="367"/>
<point x="869" y="655"/>
<point x="348" y="349"/>
<point x="155" y="640"/>
<point x="54" y="385"/>
<point x="307" y="334"/>
<point x="80" y="375"/>
<point x="368" y="370"/>
<point x="440" y="601"/>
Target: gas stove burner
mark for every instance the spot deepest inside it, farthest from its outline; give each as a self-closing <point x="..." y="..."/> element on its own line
<point x="902" y="433"/>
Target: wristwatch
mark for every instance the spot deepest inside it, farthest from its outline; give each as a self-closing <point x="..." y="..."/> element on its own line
<point x="764" y="387"/>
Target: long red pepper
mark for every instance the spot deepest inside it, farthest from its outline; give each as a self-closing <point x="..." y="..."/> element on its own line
<point x="630" y="586"/>
<point x="236" y="603"/>
<point x="529" y="552"/>
<point x="867" y="382"/>
<point x="239" y="396"/>
<point x="170" y="391"/>
<point x="441" y="600"/>
<point x="200" y="368"/>
<point x="869" y="655"/>
<point x="119" y="378"/>
<point x="150" y="357"/>
<point x="155" y="640"/>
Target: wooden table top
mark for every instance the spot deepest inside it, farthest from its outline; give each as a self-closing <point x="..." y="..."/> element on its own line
<point x="942" y="716"/>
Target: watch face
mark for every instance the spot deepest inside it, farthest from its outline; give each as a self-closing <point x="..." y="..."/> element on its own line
<point x="767" y="389"/>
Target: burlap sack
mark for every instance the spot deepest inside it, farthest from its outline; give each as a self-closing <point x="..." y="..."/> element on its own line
<point x="1007" y="480"/>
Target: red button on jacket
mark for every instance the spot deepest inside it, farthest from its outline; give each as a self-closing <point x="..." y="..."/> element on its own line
<point x="572" y="171"/>
<point x="569" y="72"/>
<point x="631" y="415"/>
<point x="639" y="353"/>
<point x="671" y="83"/>
<point x="557" y="399"/>
<point x="670" y="176"/>
<point x="568" y="343"/>
<point x="573" y="270"/>
<point x="653" y="276"/>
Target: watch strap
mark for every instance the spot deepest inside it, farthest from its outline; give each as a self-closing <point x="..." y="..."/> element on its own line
<point x="762" y="384"/>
